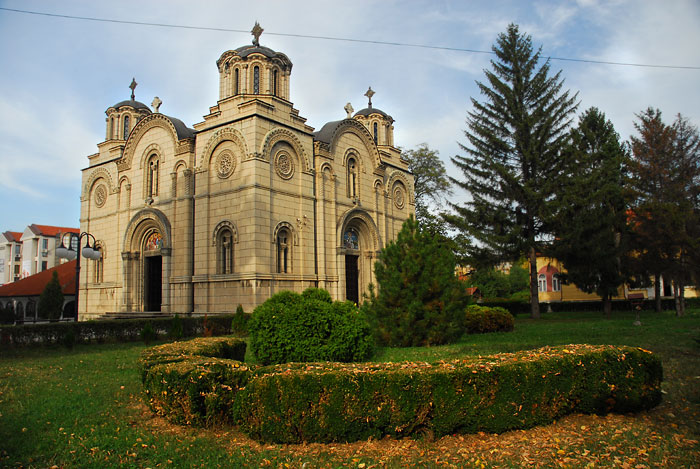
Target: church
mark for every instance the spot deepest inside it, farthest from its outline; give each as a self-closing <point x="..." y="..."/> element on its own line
<point x="249" y="202"/>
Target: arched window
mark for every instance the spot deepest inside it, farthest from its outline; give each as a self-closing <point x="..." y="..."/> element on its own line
<point x="111" y="128"/>
<point x="284" y="240"/>
<point x="30" y="312"/>
<point x="274" y="82"/>
<point x="152" y="177"/>
<point x="224" y="246"/>
<point x="556" y="283"/>
<point x="99" y="264"/>
<point x="375" y="133"/>
<point x="352" y="178"/>
<point x="126" y="127"/>
<point x="542" y="283"/>
<point x="236" y="86"/>
<point x="19" y="310"/>
<point x="256" y="80"/>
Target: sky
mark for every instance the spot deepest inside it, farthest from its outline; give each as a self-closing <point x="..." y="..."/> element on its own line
<point x="59" y="75"/>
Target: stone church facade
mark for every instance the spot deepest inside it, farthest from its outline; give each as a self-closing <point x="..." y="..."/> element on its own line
<point x="247" y="203"/>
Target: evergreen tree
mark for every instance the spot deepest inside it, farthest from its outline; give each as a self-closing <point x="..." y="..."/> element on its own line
<point x="590" y="211"/>
<point x="513" y="156"/>
<point x="420" y="300"/>
<point x="51" y="299"/>
<point x="665" y="184"/>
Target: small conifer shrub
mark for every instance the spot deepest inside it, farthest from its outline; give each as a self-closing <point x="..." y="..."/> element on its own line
<point x="51" y="299"/>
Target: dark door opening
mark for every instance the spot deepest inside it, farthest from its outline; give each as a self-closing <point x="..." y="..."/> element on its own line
<point x="153" y="283"/>
<point x="352" y="292"/>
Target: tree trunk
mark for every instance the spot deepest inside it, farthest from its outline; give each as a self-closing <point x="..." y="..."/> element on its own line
<point x="607" y="305"/>
<point x="657" y="293"/>
<point x="534" y="291"/>
<point x="679" y="297"/>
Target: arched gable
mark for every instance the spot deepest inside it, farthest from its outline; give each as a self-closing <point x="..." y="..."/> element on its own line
<point x="144" y="125"/>
<point x="141" y="223"/>
<point x="354" y="127"/>
<point x="364" y="218"/>
<point x="99" y="173"/>
<point x="399" y="176"/>
<point x="284" y="135"/>
<point x="222" y="135"/>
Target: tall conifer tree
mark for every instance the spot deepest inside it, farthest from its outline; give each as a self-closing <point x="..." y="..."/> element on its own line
<point x="515" y="137"/>
<point x="590" y="212"/>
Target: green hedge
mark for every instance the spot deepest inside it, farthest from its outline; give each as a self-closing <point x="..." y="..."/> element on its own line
<point x="122" y="330"/>
<point x="194" y="382"/>
<point x="324" y="402"/>
<point x="482" y="319"/>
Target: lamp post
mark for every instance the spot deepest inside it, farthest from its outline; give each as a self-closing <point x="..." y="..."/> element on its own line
<point x="69" y="253"/>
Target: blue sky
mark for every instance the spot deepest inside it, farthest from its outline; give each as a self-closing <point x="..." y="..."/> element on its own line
<point x="60" y="75"/>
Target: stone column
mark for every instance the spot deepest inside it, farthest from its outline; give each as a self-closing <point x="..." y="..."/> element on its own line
<point x="167" y="265"/>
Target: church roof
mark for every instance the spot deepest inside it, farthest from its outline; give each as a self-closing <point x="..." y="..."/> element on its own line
<point x="326" y="133"/>
<point x="373" y="110"/>
<point x="130" y="102"/>
<point x="35" y="284"/>
<point x="182" y="130"/>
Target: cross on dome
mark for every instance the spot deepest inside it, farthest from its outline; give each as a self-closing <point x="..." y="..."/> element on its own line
<point x="369" y="95"/>
<point x="256" y="32"/>
<point x="133" y="87"/>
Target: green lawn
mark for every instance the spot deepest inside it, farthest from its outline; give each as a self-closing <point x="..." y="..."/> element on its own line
<point x="84" y="408"/>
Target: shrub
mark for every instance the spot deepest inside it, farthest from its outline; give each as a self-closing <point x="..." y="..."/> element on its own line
<point x="420" y="300"/>
<point x="303" y="328"/>
<point x="7" y="314"/>
<point x="481" y="319"/>
<point x="239" y="324"/>
<point x="148" y="335"/>
<point x="175" y="331"/>
<point x="342" y="402"/>
<point x="51" y="300"/>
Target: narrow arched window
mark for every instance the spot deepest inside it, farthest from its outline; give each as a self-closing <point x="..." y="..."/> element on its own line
<point x="111" y="128"/>
<point x="236" y="86"/>
<point x="225" y="252"/>
<point x="152" y="179"/>
<point x="352" y="178"/>
<point x="99" y="265"/>
<point x="283" y="242"/>
<point x="256" y="80"/>
<point x="274" y="82"/>
<point x="556" y="283"/>
<point x="375" y="132"/>
<point x="542" y="283"/>
<point x="126" y="127"/>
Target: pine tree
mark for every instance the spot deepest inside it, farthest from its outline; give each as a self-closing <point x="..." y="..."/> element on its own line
<point x="420" y="300"/>
<point x="51" y="299"/>
<point x="590" y="211"/>
<point x="513" y="156"/>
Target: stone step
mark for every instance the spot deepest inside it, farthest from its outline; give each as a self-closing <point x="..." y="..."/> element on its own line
<point x="136" y="315"/>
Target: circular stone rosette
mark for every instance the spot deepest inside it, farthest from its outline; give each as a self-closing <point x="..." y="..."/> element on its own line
<point x="225" y="164"/>
<point x="284" y="165"/>
<point x="399" y="197"/>
<point x="100" y="195"/>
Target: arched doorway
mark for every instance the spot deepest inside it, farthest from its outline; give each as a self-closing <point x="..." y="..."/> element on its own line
<point x="359" y="244"/>
<point x="152" y="271"/>
<point x="351" y="243"/>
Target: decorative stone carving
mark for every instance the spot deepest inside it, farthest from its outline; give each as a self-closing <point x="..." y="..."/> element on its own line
<point x="284" y="165"/>
<point x="399" y="197"/>
<point x="100" y="195"/>
<point x="225" y="164"/>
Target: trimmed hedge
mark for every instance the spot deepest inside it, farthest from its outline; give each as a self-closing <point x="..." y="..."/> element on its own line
<point x="121" y="330"/>
<point x="482" y="319"/>
<point x="194" y="382"/>
<point x="325" y="402"/>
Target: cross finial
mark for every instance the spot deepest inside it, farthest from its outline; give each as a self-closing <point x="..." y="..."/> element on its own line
<point x="133" y="87"/>
<point x="369" y="95"/>
<point x="256" y="32"/>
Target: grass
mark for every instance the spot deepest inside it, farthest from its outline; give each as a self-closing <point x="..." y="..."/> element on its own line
<point x="84" y="408"/>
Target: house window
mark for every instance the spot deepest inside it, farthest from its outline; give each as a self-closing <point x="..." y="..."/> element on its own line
<point x="556" y="283"/>
<point x="352" y="178"/>
<point x="44" y="265"/>
<point x="225" y="252"/>
<point x="283" y="241"/>
<point x="375" y="133"/>
<point x="235" y="81"/>
<point x="152" y="177"/>
<point x="126" y="127"/>
<point x="45" y="243"/>
<point x="256" y="80"/>
<point x="18" y="250"/>
<point x="542" y="283"/>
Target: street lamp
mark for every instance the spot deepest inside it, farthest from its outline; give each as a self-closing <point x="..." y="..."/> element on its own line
<point x="69" y="253"/>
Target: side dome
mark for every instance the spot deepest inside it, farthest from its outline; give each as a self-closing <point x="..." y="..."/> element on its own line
<point x="368" y="111"/>
<point x="129" y="102"/>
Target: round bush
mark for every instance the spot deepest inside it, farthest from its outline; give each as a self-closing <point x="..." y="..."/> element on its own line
<point x="309" y="327"/>
<point x="481" y="319"/>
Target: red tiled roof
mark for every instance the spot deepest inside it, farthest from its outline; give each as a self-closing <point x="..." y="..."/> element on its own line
<point x="35" y="284"/>
<point x="47" y="230"/>
<point x="13" y="236"/>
